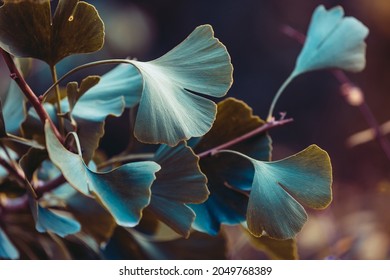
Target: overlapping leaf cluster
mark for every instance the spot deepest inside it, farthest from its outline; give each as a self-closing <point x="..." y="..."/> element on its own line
<point x="181" y="195"/>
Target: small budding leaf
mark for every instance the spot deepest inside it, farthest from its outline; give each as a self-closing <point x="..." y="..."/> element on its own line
<point x="179" y="182"/>
<point x="75" y="92"/>
<point x="47" y="220"/>
<point x="225" y="205"/>
<point x="124" y="191"/>
<point x="169" y="111"/>
<point x="333" y="41"/>
<point x="7" y="249"/>
<point x="279" y="188"/>
<point x="27" y="29"/>
<point x="90" y="110"/>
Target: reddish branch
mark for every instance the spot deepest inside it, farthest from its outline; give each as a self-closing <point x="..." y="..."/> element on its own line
<point x="261" y="129"/>
<point x="34" y="100"/>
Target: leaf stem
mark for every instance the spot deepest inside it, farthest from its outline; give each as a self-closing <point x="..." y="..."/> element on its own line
<point x="265" y="127"/>
<point x="25" y="88"/>
<point x="278" y="94"/>
<point x="61" y="124"/>
<point x="81" y="67"/>
<point x="125" y="158"/>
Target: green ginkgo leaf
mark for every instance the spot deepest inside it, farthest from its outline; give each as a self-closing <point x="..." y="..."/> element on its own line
<point x="124" y="191"/>
<point x="280" y="188"/>
<point x="179" y="182"/>
<point x="46" y="220"/>
<point x="169" y="110"/>
<point x="274" y="248"/>
<point x="27" y="29"/>
<point x="333" y="41"/>
<point x="226" y="205"/>
<point x="7" y="249"/>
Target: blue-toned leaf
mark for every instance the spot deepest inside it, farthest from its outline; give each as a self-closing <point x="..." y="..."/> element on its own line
<point x="124" y="80"/>
<point x="47" y="220"/>
<point x="14" y="109"/>
<point x="4" y="155"/>
<point x="179" y="182"/>
<point x="280" y="188"/>
<point x="129" y="244"/>
<point x="124" y="191"/>
<point x="7" y="249"/>
<point x="333" y="41"/>
<point x="225" y="205"/>
<point x="169" y="111"/>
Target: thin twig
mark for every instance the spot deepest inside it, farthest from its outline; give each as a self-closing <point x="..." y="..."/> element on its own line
<point x="265" y="127"/>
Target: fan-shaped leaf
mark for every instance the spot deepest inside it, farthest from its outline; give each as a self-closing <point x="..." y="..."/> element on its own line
<point x="124" y="80"/>
<point x="169" y="111"/>
<point x="7" y="249"/>
<point x="333" y="41"/>
<point x="13" y="109"/>
<point x="49" y="221"/>
<point x="179" y="182"/>
<point x="279" y="188"/>
<point x="125" y="191"/>
<point x="27" y="29"/>
<point x="225" y="205"/>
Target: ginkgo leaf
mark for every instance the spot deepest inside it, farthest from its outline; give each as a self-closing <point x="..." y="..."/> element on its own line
<point x="46" y="220"/>
<point x="169" y="110"/>
<point x="14" y="109"/>
<point x="27" y="29"/>
<point x="129" y="244"/>
<point x="179" y="182"/>
<point x="124" y="80"/>
<point x="7" y="249"/>
<point x="124" y="191"/>
<point x="274" y="248"/>
<point x="333" y="41"/>
<point x="280" y="188"/>
<point x="76" y="91"/>
<point x="225" y="205"/>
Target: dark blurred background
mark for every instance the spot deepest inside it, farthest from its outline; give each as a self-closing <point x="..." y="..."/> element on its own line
<point x="357" y="224"/>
